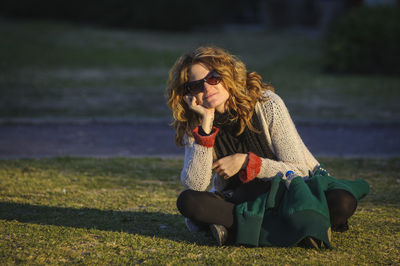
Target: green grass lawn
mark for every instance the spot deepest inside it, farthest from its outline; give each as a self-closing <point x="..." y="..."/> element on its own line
<point x="55" y="70"/>
<point x="120" y="211"/>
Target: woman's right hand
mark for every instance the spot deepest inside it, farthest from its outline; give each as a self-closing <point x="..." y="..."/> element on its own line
<point x="207" y="114"/>
<point x="191" y="101"/>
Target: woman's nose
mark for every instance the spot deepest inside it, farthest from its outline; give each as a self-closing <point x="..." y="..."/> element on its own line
<point x="207" y="87"/>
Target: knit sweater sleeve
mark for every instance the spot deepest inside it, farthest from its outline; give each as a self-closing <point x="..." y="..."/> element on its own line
<point x="284" y="140"/>
<point x="196" y="173"/>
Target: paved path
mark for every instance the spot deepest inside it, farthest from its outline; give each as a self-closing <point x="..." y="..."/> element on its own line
<point x="110" y="139"/>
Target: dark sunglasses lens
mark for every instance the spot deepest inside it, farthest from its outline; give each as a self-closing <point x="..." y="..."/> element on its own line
<point x="195" y="87"/>
<point x="213" y="79"/>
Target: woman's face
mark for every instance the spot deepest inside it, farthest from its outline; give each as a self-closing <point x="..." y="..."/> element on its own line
<point x="213" y="96"/>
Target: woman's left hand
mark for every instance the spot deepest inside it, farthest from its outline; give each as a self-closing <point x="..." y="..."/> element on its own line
<point x="230" y="165"/>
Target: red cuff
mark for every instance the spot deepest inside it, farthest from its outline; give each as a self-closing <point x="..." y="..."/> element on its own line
<point x="206" y="141"/>
<point x="252" y="168"/>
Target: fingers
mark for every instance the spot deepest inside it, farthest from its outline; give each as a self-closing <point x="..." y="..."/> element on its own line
<point x="192" y="103"/>
<point x="217" y="166"/>
<point x="222" y="173"/>
<point x="228" y="166"/>
<point x="189" y="100"/>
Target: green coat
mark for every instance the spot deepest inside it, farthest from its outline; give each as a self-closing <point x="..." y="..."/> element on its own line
<point x="283" y="217"/>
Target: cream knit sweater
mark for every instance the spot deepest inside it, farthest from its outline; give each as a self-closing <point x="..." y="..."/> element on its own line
<point x="282" y="138"/>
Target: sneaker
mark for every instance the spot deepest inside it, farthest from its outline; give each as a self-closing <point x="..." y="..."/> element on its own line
<point x="310" y="242"/>
<point x="330" y="234"/>
<point x="195" y="227"/>
<point x="341" y="228"/>
<point x="220" y="233"/>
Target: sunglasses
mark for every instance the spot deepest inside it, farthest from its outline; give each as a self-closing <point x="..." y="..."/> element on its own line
<point x="197" y="86"/>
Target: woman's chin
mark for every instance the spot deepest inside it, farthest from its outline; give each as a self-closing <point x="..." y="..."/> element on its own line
<point x="211" y="104"/>
<point x="208" y="105"/>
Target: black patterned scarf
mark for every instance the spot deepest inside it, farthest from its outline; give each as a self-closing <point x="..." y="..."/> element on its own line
<point x="228" y="143"/>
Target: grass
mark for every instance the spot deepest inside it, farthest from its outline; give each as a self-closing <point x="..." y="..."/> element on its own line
<point x="122" y="211"/>
<point x="53" y="70"/>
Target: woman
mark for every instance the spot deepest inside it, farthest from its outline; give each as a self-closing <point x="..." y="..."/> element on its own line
<point x="232" y="123"/>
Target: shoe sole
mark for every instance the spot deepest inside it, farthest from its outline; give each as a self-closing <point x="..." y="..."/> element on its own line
<point x="216" y="232"/>
<point x="317" y="244"/>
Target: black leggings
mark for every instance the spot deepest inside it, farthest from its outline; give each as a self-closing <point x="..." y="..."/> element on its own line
<point x="205" y="208"/>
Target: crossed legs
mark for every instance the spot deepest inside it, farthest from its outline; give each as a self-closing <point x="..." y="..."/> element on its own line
<point x="208" y="208"/>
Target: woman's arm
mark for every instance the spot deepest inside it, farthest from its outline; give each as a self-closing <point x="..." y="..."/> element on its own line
<point x="283" y="139"/>
<point x="196" y="173"/>
<point x="287" y="144"/>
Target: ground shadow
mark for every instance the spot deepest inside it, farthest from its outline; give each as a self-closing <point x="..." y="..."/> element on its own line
<point x="170" y="226"/>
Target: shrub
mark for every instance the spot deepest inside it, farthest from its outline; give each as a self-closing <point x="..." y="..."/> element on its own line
<point x="365" y="40"/>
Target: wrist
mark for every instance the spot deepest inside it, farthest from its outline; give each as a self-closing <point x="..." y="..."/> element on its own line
<point x="252" y="168"/>
<point x="246" y="160"/>
<point x="207" y="122"/>
<point x="206" y="141"/>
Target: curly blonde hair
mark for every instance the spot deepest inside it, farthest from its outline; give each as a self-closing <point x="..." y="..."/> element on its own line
<point x="244" y="88"/>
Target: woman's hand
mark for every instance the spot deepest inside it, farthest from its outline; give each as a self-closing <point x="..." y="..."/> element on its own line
<point x="198" y="108"/>
<point x="207" y="114"/>
<point x="230" y="165"/>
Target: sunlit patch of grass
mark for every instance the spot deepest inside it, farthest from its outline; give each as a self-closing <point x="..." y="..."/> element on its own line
<point x="122" y="211"/>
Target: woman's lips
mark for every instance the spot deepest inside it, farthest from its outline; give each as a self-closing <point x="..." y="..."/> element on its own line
<point x="208" y="96"/>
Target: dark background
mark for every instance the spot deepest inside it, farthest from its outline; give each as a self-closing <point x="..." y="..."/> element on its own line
<point x="180" y="14"/>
